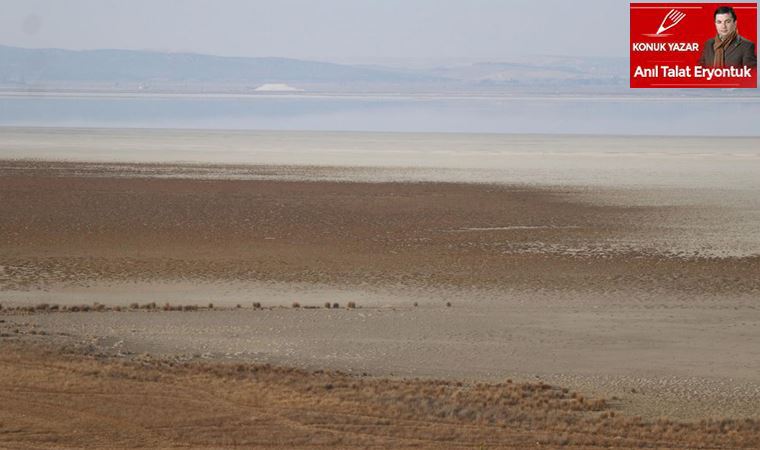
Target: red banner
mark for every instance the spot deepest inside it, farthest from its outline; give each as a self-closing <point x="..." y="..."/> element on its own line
<point x="693" y="45"/>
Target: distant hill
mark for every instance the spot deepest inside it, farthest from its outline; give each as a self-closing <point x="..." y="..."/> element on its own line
<point x="20" y="65"/>
<point x="50" y="69"/>
<point x="539" y="70"/>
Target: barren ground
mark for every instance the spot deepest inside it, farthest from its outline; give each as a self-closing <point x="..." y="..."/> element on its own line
<point x="543" y="284"/>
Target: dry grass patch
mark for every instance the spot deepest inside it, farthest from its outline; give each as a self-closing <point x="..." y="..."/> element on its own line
<point x="161" y="403"/>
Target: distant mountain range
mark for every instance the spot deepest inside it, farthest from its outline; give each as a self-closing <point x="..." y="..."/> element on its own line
<point x="128" y="65"/>
<point x="129" y="69"/>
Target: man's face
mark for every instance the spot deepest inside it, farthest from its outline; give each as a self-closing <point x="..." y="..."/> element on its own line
<point x="725" y="24"/>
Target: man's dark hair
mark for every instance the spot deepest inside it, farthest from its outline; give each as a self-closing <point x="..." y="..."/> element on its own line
<point x="725" y="10"/>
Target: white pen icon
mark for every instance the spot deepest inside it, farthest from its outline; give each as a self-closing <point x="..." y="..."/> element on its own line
<point x="671" y="19"/>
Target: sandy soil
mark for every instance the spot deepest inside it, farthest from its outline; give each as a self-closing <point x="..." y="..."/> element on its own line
<point x="544" y="283"/>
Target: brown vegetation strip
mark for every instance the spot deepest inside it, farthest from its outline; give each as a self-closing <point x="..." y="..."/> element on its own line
<point x="44" y="308"/>
<point x="53" y="400"/>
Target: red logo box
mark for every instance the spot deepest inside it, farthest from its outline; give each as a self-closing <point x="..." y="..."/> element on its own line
<point x="668" y="41"/>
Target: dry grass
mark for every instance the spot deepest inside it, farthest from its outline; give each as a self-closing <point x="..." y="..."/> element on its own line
<point x="160" y="403"/>
<point x="99" y="307"/>
<point x="45" y="308"/>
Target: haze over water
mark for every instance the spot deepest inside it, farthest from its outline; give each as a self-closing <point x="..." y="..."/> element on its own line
<point x="720" y="114"/>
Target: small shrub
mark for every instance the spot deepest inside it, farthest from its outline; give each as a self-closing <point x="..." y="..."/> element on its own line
<point x="238" y="306"/>
<point x="134" y="306"/>
<point x="54" y="307"/>
<point x="296" y="305"/>
<point x="210" y="306"/>
<point x="416" y="304"/>
<point x="98" y="307"/>
<point x="85" y="308"/>
<point x="351" y="305"/>
<point x="74" y="308"/>
<point x="448" y="304"/>
<point x="256" y="305"/>
<point x="167" y="307"/>
<point x="327" y="305"/>
<point x="336" y="305"/>
<point x="42" y="307"/>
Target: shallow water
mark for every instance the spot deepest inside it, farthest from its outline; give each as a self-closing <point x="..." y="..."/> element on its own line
<point x="629" y="113"/>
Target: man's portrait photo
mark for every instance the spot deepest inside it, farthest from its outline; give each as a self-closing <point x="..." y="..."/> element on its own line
<point x="728" y="48"/>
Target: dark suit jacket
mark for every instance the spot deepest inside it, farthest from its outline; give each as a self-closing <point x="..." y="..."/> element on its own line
<point x="739" y="53"/>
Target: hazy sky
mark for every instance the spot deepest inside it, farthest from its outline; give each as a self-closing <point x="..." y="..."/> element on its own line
<point x="324" y="29"/>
